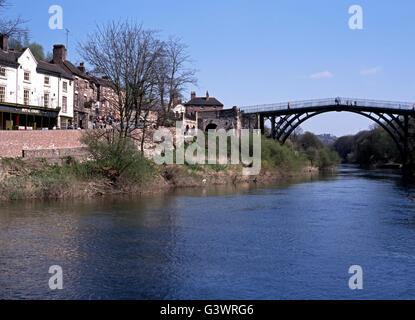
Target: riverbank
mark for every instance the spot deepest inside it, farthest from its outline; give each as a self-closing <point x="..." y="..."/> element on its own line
<point x="115" y="166"/>
<point x="37" y="180"/>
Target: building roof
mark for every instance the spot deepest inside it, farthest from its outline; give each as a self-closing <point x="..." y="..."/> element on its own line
<point x="101" y="81"/>
<point x="51" y="68"/>
<point x="10" y="57"/>
<point x="74" y="70"/>
<point x="77" y="72"/>
<point x="204" y="101"/>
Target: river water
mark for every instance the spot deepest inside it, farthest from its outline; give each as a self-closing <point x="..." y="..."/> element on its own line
<point x="294" y="241"/>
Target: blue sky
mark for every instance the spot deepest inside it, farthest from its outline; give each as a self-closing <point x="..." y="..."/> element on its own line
<point x="255" y="52"/>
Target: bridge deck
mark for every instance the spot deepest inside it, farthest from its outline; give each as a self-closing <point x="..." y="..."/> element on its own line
<point x="337" y="104"/>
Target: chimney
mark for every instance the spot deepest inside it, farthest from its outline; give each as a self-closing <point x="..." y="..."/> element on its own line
<point x="81" y="67"/>
<point x="59" y="53"/>
<point x="192" y="95"/>
<point x="207" y="95"/>
<point x="4" y="42"/>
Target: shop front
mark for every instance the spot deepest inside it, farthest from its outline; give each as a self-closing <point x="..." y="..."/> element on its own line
<point x="27" y="118"/>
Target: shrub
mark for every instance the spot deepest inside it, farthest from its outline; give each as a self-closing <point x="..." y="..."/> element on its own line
<point x="115" y="157"/>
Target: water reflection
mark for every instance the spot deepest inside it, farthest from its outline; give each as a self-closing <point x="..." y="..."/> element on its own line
<point x="243" y="242"/>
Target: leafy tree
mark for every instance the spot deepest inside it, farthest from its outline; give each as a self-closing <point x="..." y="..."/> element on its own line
<point x="344" y="146"/>
<point x="309" y="140"/>
<point x="368" y="148"/>
<point x="315" y="151"/>
<point x="37" y="51"/>
<point x="19" y="43"/>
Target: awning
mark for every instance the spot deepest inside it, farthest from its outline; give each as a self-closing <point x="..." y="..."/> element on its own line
<point x="30" y="111"/>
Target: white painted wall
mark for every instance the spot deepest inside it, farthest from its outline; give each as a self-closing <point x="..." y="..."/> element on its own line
<point x="10" y="83"/>
<point x="15" y="86"/>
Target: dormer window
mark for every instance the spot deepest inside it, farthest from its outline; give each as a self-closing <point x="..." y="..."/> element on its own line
<point x="2" y="72"/>
<point x="47" y="81"/>
<point x="65" y="86"/>
<point x="26" y="76"/>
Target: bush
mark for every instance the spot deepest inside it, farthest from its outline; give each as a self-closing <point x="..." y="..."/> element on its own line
<point x="368" y="148"/>
<point x="275" y="155"/>
<point x="315" y="151"/>
<point x="115" y="157"/>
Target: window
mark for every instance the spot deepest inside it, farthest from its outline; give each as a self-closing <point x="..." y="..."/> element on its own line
<point x="65" y="86"/>
<point x="2" y="94"/>
<point x="64" y="104"/>
<point x="26" y="96"/>
<point x="46" y="100"/>
<point x="64" y="124"/>
<point x="47" y="81"/>
<point x="26" y="76"/>
<point x="76" y="100"/>
<point x="2" y="72"/>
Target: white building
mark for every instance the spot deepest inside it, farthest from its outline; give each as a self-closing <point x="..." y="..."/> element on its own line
<point x="33" y="94"/>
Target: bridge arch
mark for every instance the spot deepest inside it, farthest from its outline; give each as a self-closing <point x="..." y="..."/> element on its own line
<point x="211" y="126"/>
<point x="392" y="116"/>
<point x="396" y="127"/>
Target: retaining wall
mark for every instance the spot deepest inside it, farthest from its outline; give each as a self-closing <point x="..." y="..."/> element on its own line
<point x="12" y="143"/>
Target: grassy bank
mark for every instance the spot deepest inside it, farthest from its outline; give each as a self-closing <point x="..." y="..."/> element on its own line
<point x="116" y="166"/>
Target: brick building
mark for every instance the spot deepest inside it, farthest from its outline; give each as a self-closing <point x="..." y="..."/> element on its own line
<point x="202" y="103"/>
<point x="93" y="96"/>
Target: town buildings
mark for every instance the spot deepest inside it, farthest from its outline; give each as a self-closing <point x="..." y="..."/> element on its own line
<point x="36" y="95"/>
<point x="33" y="94"/>
<point x="202" y="103"/>
<point x="93" y="97"/>
<point x="39" y="95"/>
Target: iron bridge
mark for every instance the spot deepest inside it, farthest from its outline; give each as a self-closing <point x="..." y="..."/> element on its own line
<point x="285" y="117"/>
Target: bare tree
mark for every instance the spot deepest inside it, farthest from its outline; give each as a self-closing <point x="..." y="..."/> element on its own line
<point x="126" y="53"/>
<point x="296" y="134"/>
<point x="147" y="74"/>
<point x="11" y="26"/>
<point x="174" y="73"/>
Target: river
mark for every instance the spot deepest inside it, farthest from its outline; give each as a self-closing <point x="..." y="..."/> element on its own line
<point x="292" y="241"/>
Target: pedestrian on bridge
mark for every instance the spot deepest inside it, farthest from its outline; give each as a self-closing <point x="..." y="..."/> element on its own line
<point x="337" y="100"/>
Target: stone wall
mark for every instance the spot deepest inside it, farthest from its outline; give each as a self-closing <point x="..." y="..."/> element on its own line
<point x="58" y="143"/>
<point x="12" y="143"/>
<point x="223" y="119"/>
<point x="227" y="119"/>
<point x="79" y="154"/>
<point x="250" y="121"/>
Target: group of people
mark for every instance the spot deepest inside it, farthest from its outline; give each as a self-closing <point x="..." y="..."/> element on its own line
<point x="338" y="101"/>
<point x="73" y="127"/>
<point x="101" y="122"/>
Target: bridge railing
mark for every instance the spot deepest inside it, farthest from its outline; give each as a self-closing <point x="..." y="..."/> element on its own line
<point x="343" y="101"/>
